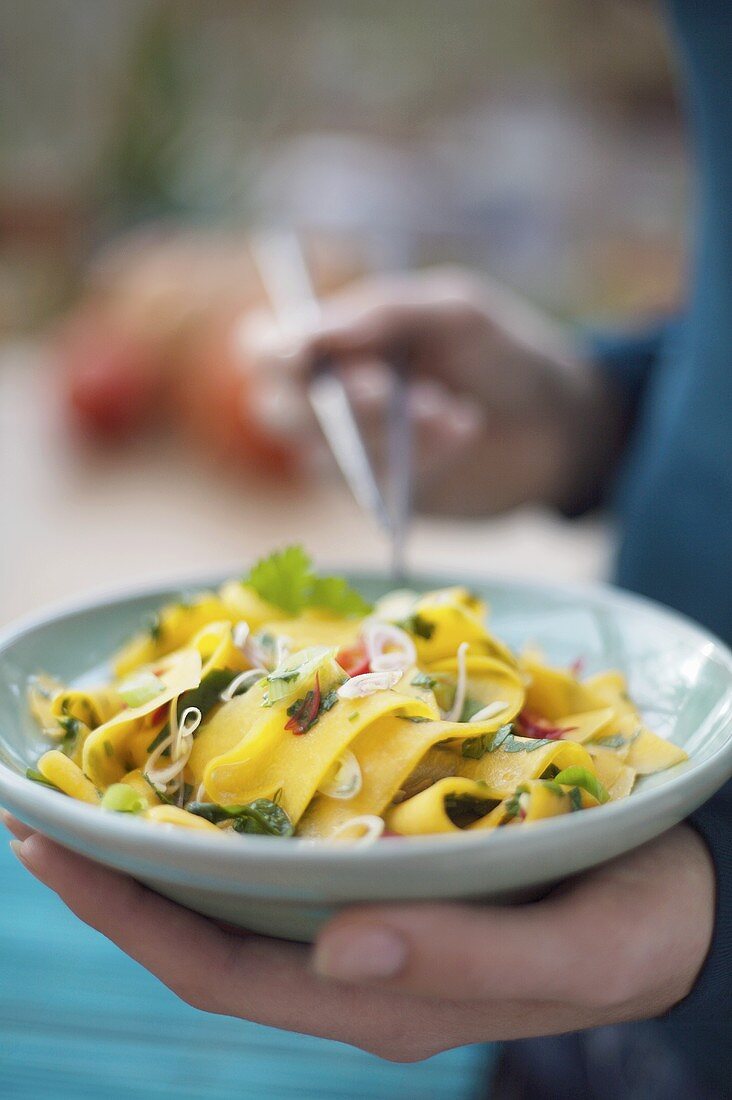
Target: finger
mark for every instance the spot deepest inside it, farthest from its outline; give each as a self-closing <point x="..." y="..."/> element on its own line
<point x="177" y="946"/>
<point x="462" y="952"/>
<point x="19" y="829"/>
<point x="443" y="423"/>
<point x="262" y="980"/>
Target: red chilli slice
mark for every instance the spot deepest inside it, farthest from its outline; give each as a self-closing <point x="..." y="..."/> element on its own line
<point x="306" y="714"/>
<point x="354" y="659"/>
<point x="533" y="725"/>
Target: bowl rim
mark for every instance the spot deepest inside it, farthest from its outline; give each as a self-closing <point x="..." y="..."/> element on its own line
<point x="173" y="841"/>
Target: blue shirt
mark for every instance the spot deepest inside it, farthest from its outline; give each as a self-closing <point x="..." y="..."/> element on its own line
<point x="675" y="493"/>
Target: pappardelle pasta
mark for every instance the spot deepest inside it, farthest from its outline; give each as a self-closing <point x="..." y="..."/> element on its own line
<point x="283" y="704"/>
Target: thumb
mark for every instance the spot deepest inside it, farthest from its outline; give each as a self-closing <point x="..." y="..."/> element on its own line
<point x="458" y="952"/>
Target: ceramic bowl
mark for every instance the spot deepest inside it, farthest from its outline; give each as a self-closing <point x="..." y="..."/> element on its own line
<point x="680" y="676"/>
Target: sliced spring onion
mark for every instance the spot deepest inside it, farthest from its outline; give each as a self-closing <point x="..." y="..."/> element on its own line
<point x="360" y="830"/>
<point x="344" y="779"/>
<point x="358" y="687"/>
<point x="291" y="674"/>
<point x="490" y="711"/>
<point x="388" y="647"/>
<point x="140" y="688"/>
<point x="577" y="776"/>
<point x="240" y="634"/>
<point x="243" y="680"/>
<point x="123" y="799"/>
<point x="453" y="715"/>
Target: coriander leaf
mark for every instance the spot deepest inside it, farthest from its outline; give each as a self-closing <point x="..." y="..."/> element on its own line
<point x="423" y="679"/>
<point x="205" y="697"/>
<point x="418" y="625"/>
<point x="72" y="729"/>
<point x="616" y="741"/>
<point x="475" y="748"/>
<point x="336" y="595"/>
<point x="284" y="579"/>
<point x="262" y="816"/>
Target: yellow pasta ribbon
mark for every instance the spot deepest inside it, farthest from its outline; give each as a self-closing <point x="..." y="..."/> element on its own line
<point x="103" y="755"/>
<point x="68" y="777"/>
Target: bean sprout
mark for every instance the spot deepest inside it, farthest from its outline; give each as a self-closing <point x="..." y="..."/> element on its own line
<point x="249" y="677"/>
<point x="453" y="715"/>
<point x="489" y="712"/>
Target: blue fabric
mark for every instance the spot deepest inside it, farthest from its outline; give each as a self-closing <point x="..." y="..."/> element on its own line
<point x="80" y="1021"/>
<point x="675" y="493"/>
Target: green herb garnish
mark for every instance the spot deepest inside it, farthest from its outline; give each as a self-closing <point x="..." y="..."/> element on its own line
<point x="262" y="816"/>
<point x="205" y="697"/>
<point x="38" y="777"/>
<point x="418" y="625"/>
<point x="287" y="580"/>
<point x="423" y="679"/>
<point x="575" y="799"/>
<point x="72" y="729"/>
<point x="474" y="748"/>
<point x="616" y="741"/>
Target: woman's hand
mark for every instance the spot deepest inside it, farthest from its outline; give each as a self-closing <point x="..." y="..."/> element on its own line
<point x="623" y="942"/>
<point x="505" y="410"/>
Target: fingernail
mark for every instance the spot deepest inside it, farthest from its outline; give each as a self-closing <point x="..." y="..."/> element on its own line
<point x="370" y="953"/>
<point x="17" y="846"/>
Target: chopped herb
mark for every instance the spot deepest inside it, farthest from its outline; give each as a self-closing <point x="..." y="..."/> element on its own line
<point x="159" y="791"/>
<point x="513" y="804"/>
<point x="263" y="816"/>
<point x="38" y="777"/>
<point x="575" y="799"/>
<point x="153" y="627"/>
<point x="414" y="717"/>
<point x="417" y="624"/>
<point x="108" y="748"/>
<point x="616" y="741"/>
<point x="287" y="580"/>
<point x="470" y="707"/>
<point x="474" y="748"/>
<point x="464" y="809"/>
<point x="72" y="729"/>
<point x="423" y="679"/>
<point x="329" y="701"/>
<point x="159" y="738"/>
<point x="204" y="697"/>
<point x="354" y="716"/>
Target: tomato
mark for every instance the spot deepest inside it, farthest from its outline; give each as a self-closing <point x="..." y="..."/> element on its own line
<point x="354" y="659"/>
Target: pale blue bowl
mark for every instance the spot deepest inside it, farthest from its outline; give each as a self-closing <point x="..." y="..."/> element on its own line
<point x="680" y="676"/>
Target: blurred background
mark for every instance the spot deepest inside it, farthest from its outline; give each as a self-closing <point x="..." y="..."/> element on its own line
<point x="142" y="142"/>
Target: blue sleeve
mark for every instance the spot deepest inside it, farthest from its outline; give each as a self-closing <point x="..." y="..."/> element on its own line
<point x="628" y="359"/>
<point x="701" y="1025"/>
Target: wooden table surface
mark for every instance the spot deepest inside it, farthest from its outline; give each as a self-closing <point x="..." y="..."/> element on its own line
<point x="78" y="1019"/>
